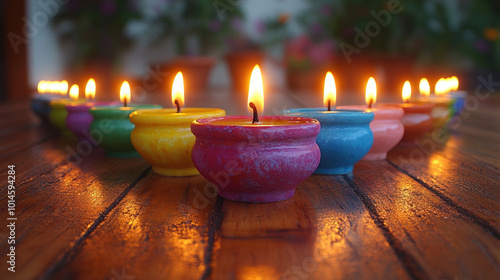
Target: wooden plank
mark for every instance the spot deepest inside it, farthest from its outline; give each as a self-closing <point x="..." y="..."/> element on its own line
<point x="21" y="129"/>
<point x="58" y="203"/>
<point x="446" y="243"/>
<point x="12" y="108"/>
<point x="323" y="232"/>
<point x="16" y="117"/>
<point x="178" y="240"/>
<point x="160" y="230"/>
<point x="470" y="188"/>
<point x="17" y="141"/>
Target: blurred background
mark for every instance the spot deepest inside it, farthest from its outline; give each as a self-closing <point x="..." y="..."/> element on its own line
<point x="217" y="42"/>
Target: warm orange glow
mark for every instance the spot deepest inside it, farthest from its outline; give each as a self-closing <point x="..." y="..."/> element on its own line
<point x="406" y="91"/>
<point x="371" y="92"/>
<point x="256" y="90"/>
<point x="424" y="87"/>
<point x="63" y="87"/>
<point x="453" y="83"/>
<point x="53" y="87"/>
<point x="441" y="87"/>
<point x="330" y="91"/>
<point x="74" y="92"/>
<point x="42" y="87"/>
<point x="178" y="89"/>
<point x="90" y="90"/>
<point x="125" y="93"/>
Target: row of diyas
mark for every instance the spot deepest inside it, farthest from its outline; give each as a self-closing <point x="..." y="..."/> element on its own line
<point x="261" y="159"/>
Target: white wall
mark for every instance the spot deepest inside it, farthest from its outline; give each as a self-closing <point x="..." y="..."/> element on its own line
<point x="44" y="55"/>
<point x="46" y="58"/>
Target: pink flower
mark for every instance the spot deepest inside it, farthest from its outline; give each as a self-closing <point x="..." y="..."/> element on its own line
<point x="260" y="26"/>
<point x="299" y="47"/>
<point x="321" y="52"/>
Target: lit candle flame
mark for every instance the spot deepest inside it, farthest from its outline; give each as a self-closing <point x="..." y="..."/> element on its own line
<point x="42" y="87"/>
<point x="125" y="93"/>
<point x="53" y="87"/>
<point x="178" y="91"/>
<point x="330" y="91"/>
<point x="90" y="89"/>
<point x="371" y="92"/>
<point x="74" y="92"/>
<point x="441" y="87"/>
<point x="256" y="90"/>
<point x="63" y="87"/>
<point x="454" y="83"/>
<point x="424" y="87"/>
<point x="406" y="92"/>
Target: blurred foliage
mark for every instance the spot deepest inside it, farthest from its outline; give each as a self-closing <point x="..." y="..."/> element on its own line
<point x="197" y="27"/>
<point x="270" y="32"/>
<point x="95" y="27"/>
<point x="214" y="26"/>
<point x="460" y="34"/>
<point x="337" y="19"/>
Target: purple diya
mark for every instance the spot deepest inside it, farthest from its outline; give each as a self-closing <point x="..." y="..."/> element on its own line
<point x="79" y="118"/>
<point x="261" y="162"/>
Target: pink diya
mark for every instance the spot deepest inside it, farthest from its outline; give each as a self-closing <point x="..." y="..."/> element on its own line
<point x="256" y="160"/>
<point x="386" y="126"/>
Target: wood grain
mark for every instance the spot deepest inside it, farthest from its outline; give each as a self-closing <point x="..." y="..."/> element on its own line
<point x="161" y="229"/>
<point x="431" y="211"/>
<point x="317" y="234"/>
<point x="425" y="227"/>
<point x="58" y="202"/>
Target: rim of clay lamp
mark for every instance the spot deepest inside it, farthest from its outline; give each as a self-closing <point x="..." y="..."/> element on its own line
<point x="169" y="116"/>
<point x="381" y="112"/>
<point x="299" y="127"/>
<point x="75" y="106"/>
<point x="437" y="100"/>
<point x="61" y="103"/>
<point x="345" y="116"/>
<point x="116" y="112"/>
<point x="412" y="107"/>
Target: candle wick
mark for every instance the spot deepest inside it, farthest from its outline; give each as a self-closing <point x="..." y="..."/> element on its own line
<point x="370" y="103"/>
<point x="177" y="105"/>
<point x="329" y="105"/>
<point x="125" y="102"/>
<point x="255" y="114"/>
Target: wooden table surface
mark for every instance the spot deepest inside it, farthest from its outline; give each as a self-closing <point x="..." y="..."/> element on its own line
<point x="430" y="211"/>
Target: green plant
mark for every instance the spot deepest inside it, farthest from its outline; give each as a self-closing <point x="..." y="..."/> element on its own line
<point x="194" y="25"/>
<point x="270" y="32"/>
<point x="96" y="29"/>
<point x="481" y="34"/>
<point x="342" y="20"/>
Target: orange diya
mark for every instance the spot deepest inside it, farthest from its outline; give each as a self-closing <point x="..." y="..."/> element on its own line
<point x="416" y="119"/>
